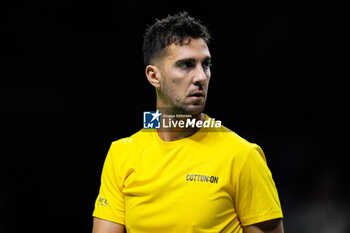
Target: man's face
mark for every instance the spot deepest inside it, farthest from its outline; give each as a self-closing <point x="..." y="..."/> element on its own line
<point x="184" y="76"/>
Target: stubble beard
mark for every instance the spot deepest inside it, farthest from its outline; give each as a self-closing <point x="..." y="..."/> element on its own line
<point x="173" y="104"/>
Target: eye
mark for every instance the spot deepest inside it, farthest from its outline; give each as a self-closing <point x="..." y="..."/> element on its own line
<point x="186" y="64"/>
<point x="206" y="64"/>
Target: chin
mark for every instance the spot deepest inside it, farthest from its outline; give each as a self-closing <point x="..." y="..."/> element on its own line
<point x="194" y="109"/>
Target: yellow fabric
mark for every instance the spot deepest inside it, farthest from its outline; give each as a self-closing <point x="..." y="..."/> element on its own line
<point x="209" y="182"/>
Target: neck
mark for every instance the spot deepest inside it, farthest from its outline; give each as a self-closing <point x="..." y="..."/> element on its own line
<point x="177" y="133"/>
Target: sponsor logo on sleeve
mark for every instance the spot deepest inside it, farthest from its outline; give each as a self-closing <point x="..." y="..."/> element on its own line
<point x="102" y="201"/>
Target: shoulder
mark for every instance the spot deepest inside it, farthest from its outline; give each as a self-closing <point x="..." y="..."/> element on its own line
<point x="250" y="149"/>
<point x="229" y="137"/>
<point x="137" y="140"/>
<point x="124" y="152"/>
<point x="228" y="140"/>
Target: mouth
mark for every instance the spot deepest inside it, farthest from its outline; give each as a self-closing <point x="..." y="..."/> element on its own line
<point x="197" y="95"/>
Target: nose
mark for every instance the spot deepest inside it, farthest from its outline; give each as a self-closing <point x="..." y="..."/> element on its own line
<point x="200" y="76"/>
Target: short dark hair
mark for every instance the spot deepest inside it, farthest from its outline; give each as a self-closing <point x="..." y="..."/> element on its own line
<point x="171" y="29"/>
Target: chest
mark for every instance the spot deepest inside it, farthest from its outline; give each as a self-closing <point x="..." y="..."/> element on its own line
<point x="188" y="187"/>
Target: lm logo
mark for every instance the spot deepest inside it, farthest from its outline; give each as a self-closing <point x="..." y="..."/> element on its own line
<point x="151" y="120"/>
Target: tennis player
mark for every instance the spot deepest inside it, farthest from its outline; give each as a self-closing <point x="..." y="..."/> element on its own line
<point x="187" y="179"/>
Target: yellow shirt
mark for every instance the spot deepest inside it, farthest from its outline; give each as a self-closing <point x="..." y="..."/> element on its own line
<point x="212" y="181"/>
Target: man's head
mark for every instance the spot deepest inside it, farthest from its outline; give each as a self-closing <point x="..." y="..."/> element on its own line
<point x="178" y="62"/>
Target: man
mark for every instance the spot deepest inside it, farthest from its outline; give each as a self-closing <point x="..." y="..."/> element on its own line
<point x="184" y="179"/>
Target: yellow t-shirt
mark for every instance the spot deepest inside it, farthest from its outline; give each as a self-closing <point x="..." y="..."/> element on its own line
<point x="212" y="181"/>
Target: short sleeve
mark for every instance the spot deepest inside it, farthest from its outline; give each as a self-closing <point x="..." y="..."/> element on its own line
<point x="256" y="197"/>
<point x="109" y="204"/>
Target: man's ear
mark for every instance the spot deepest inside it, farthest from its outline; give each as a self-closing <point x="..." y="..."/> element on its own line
<point x="153" y="75"/>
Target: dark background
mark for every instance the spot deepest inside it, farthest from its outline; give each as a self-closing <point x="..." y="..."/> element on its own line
<point x="72" y="81"/>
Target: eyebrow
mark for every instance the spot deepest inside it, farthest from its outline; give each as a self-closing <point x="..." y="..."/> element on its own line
<point x="207" y="59"/>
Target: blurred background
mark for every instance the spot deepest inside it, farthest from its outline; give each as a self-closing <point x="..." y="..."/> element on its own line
<point x="72" y="81"/>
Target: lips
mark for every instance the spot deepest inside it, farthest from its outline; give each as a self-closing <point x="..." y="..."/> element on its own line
<point x="197" y="97"/>
<point x="197" y="94"/>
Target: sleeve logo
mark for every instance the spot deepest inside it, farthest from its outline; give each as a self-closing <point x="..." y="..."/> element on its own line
<point x="102" y="201"/>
